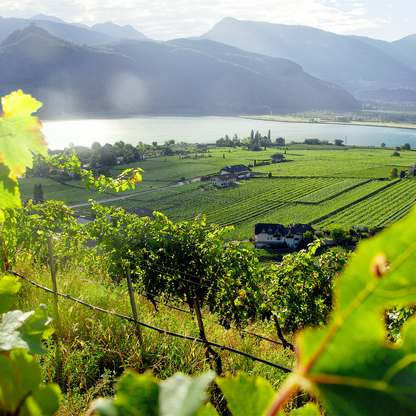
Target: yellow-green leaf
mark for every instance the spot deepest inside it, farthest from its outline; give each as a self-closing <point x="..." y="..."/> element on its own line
<point x="20" y="133"/>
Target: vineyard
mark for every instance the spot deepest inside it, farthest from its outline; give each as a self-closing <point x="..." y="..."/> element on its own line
<point x="327" y="188"/>
<point x="199" y="302"/>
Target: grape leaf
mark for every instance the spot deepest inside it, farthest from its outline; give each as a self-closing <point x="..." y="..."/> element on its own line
<point x="350" y="361"/>
<point x="20" y="387"/>
<point x="9" y="286"/>
<point x="182" y="395"/>
<point x="246" y="396"/>
<point x="25" y="330"/>
<point x="20" y="133"/>
<point x="206" y="410"/>
<point x="137" y="395"/>
<point x="9" y="191"/>
<point x="309" y="409"/>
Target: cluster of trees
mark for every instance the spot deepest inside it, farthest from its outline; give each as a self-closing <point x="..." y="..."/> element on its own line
<point x="253" y="142"/>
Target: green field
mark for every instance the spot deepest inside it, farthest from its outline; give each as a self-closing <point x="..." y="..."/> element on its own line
<point x="325" y="187"/>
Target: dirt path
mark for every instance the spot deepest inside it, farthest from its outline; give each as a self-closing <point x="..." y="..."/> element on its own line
<point x="119" y="198"/>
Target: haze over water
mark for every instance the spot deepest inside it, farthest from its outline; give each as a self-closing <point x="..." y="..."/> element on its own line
<point x="59" y="134"/>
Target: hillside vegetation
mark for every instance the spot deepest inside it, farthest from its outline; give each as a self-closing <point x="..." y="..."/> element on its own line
<point x="327" y="187"/>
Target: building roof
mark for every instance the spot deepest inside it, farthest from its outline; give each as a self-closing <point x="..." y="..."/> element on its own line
<point x="236" y="168"/>
<point x="281" y="229"/>
<point x="225" y="176"/>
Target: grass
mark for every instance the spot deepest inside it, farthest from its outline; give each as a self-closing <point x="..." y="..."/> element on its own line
<point x="91" y="349"/>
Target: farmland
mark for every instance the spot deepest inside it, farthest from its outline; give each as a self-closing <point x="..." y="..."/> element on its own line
<point x="327" y="187"/>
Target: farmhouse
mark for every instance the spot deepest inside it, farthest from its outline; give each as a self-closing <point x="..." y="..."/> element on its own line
<point x="226" y="179"/>
<point x="411" y="169"/>
<point x="278" y="158"/>
<point x="277" y="235"/>
<point x="241" y="171"/>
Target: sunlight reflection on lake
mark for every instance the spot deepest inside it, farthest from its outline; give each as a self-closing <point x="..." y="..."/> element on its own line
<point x="209" y="129"/>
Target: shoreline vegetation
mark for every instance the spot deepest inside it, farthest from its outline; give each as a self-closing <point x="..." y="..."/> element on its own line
<point x="317" y="120"/>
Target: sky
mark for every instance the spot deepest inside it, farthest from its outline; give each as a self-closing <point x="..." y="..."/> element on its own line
<point x="163" y="20"/>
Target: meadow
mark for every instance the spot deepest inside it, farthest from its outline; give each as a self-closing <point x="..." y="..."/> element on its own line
<point x="328" y="187"/>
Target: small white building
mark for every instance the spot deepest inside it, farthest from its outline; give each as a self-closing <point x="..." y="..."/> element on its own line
<point x="227" y="179"/>
<point x="277" y="235"/>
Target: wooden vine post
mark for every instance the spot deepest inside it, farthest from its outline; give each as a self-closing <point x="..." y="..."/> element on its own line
<point x="54" y="285"/>
<point x="137" y="329"/>
<point x="210" y="354"/>
<point x="285" y="343"/>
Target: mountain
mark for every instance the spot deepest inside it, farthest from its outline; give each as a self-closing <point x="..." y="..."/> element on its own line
<point x="41" y="16"/>
<point x="137" y="77"/>
<point x="344" y="60"/>
<point x="388" y="95"/>
<point x="97" y="35"/>
<point x="62" y="30"/>
<point x="118" y="32"/>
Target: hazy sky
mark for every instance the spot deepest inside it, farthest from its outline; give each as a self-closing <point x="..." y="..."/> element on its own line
<point x="157" y="19"/>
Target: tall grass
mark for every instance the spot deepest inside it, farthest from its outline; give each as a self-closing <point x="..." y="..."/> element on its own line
<point x="91" y="349"/>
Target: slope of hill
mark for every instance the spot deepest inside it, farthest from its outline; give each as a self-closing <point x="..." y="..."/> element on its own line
<point x="388" y="95"/>
<point x="118" y="32"/>
<point x="134" y="77"/>
<point x="66" y="31"/>
<point x="344" y="60"/>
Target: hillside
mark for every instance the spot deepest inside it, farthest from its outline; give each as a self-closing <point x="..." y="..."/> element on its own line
<point x="177" y="77"/>
<point x="346" y="61"/>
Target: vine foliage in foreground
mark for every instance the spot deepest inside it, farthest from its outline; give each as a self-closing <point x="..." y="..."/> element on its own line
<point x="349" y="363"/>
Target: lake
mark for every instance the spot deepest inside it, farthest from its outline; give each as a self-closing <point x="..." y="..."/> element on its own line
<point x="148" y="129"/>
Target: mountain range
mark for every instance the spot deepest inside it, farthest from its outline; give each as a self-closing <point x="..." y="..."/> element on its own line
<point x="182" y="76"/>
<point x="354" y="63"/>
<point x="236" y="67"/>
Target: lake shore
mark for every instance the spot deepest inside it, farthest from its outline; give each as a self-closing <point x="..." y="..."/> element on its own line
<point x="289" y="119"/>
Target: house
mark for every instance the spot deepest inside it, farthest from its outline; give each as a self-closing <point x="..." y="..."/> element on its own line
<point x="277" y="158"/>
<point x="241" y="171"/>
<point x="226" y="179"/>
<point x="411" y="169"/>
<point x="277" y="235"/>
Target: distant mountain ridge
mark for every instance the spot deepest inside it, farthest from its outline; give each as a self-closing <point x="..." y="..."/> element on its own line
<point x="177" y="77"/>
<point x="347" y="61"/>
<point x="97" y="35"/>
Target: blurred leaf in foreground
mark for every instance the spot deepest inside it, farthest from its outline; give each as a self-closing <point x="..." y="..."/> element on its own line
<point x="20" y="133"/>
<point x="350" y="361"/>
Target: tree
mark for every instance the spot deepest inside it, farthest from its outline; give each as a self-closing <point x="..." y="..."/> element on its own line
<point x="396" y="154"/>
<point x="154" y="144"/>
<point x="406" y="146"/>
<point x="38" y="193"/>
<point x="280" y="141"/>
<point x="383" y="145"/>
<point x="393" y="173"/>
<point x="338" y="142"/>
<point x="339" y="236"/>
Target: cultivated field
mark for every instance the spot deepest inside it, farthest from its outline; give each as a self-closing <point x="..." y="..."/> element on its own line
<point x="325" y="187"/>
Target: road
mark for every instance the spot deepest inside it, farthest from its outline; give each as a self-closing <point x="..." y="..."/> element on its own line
<point x="119" y="198"/>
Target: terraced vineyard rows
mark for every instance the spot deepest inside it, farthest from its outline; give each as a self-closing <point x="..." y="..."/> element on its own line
<point x="379" y="210"/>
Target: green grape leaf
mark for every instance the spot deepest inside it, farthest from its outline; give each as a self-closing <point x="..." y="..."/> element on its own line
<point x="137" y="395"/>
<point x="20" y="387"/>
<point x="182" y="395"/>
<point x="9" y="286"/>
<point x="104" y="407"/>
<point x="9" y="191"/>
<point x="206" y="410"/>
<point x="309" y="409"/>
<point x="246" y="396"/>
<point x="25" y="330"/>
<point x="20" y="133"/>
<point x="350" y="361"/>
